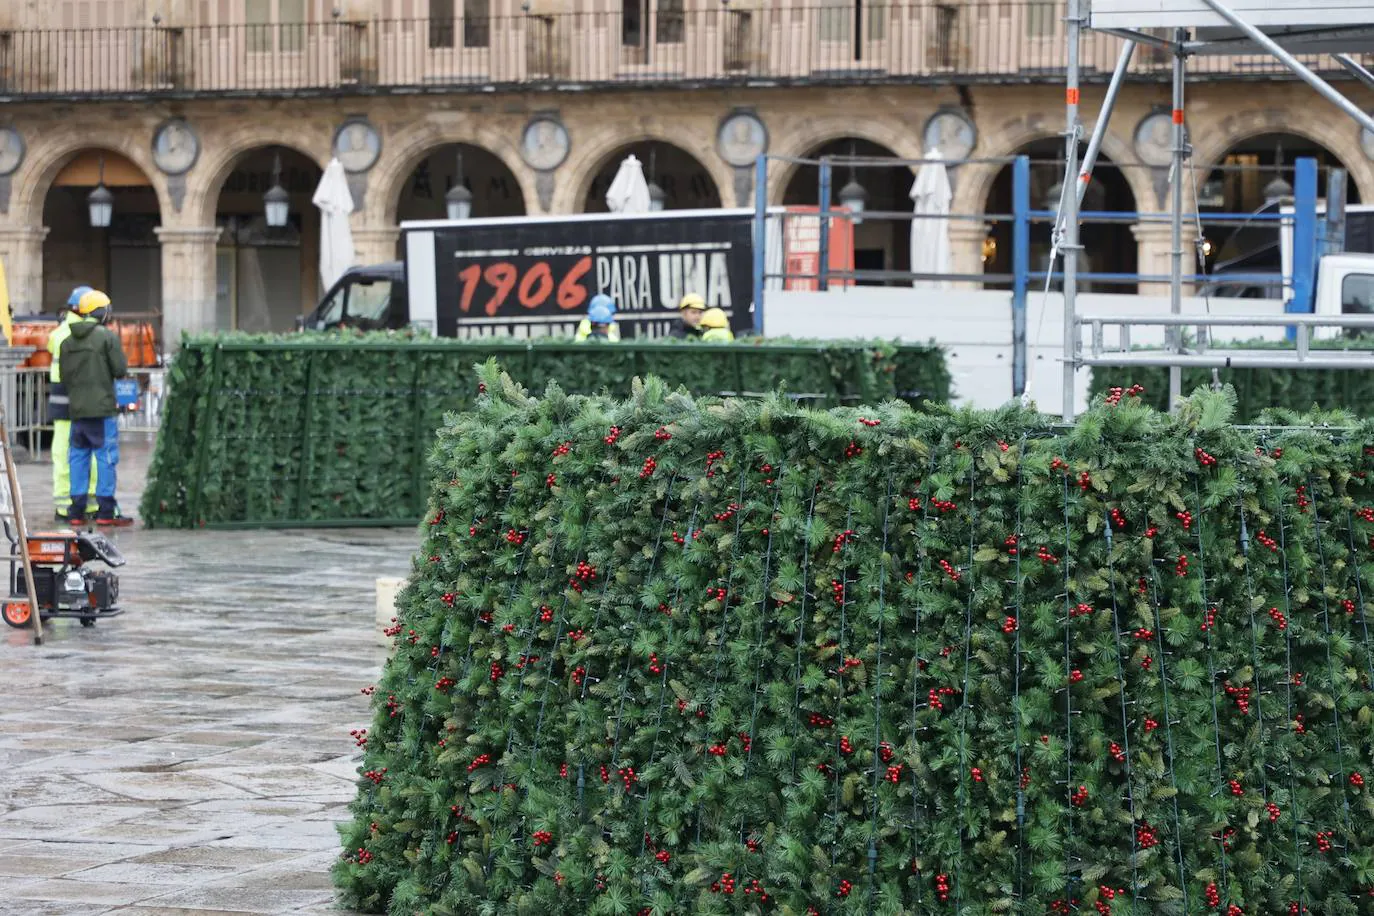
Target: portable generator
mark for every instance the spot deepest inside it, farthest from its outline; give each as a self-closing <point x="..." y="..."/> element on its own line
<point x="65" y="582"/>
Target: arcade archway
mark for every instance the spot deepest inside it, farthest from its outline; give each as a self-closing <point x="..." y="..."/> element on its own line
<point x="495" y="189"/>
<point x="123" y="258"/>
<point x="879" y="244"/>
<point x="1108" y="247"/>
<point x="686" y="183"/>
<point x="267" y="276"/>
<point x="1255" y="177"/>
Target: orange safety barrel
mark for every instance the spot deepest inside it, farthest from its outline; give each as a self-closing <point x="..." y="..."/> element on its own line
<point x="38" y="337"/>
<point x="34" y="334"/>
<point x="136" y="339"/>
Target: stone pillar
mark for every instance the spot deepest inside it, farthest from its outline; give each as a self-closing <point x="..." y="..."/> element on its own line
<point x="188" y="282"/>
<point x="21" y="251"/>
<point x="1154" y="248"/>
<point x="375" y="244"/>
<point x="966" y="249"/>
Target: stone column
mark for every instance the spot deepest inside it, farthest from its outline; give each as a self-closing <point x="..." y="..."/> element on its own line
<point x="966" y="249"/>
<point x="375" y="244"/>
<point x="188" y="282"/>
<point x="21" y="251"/>
<point x="1154" y="247"/>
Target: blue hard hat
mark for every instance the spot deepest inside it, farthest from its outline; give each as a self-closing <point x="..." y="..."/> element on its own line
<point x="602" y="309"/>
<point x="75" y="298"/>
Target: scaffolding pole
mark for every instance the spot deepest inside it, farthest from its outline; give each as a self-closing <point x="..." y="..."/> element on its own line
<point x="1173" y="356"/>
<point x="1123" y="63"/>
<point x="1180" y="140"/>
<point x="1069" y="206"/>
<point x="1355" y="69"/>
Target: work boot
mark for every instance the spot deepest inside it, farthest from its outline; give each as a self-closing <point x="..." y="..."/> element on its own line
<point x="109" y="515"/>
<point x="76" y="515"/>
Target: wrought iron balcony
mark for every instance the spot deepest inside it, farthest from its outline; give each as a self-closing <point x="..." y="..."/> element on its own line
<point x="900" y="42"/>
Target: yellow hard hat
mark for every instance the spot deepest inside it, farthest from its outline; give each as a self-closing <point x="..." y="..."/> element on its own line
<point x="91" y="301"/>
<point x="714" y="318"/>
<point x="692" y="301"/>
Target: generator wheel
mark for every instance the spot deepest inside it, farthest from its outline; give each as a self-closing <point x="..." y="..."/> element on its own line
<point x="17" y="614"/>
<point x="88" y="621"/>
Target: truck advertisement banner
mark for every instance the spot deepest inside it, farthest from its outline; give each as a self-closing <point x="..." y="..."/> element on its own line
<point x="534" y="278"/>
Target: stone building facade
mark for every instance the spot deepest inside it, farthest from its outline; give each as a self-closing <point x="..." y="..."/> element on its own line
<point x="94" y="93"/>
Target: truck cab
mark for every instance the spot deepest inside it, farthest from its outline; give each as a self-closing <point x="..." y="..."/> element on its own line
<point x="1345" y="286"/>
<point x="371" y="298"/>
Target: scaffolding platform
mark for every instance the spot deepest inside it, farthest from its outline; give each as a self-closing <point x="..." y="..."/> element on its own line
<point x="1185" y="28"/>
<point x="1319" y="27"/>
<point x="1302" y="355"/>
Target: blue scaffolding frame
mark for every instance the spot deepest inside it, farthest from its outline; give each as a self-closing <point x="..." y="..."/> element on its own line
<point x="1311" y="238"/>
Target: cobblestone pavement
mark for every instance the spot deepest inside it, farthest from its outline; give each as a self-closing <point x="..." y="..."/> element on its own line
<point x="191" y="756"/>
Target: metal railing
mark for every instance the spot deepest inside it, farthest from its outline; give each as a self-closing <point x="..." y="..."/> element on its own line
<point x="1300" y="356"/>
<point x="829" y="44"/>
<point x="24" y="393"/>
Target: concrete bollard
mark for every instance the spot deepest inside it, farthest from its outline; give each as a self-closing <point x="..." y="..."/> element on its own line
<point x="387" y="589"/>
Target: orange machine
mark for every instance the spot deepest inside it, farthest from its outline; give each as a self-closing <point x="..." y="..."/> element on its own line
<point x="136" y="337"/>
<point x="64" y="582"/>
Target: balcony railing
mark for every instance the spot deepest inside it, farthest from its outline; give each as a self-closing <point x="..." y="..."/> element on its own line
<point x="902" y="42"/>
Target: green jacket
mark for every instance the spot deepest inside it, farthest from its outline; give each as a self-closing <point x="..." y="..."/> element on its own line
<point x="92" y="359"/>
<point x="55" y="340"/>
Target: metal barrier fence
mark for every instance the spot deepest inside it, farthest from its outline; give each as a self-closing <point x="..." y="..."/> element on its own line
<point x="24" y="392"/>
<point x="826" y="43"/>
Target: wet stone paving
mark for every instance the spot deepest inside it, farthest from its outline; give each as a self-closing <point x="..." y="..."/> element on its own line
<point x="191" y="756"/>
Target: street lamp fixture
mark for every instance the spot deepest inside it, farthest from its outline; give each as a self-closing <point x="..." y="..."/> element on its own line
<point x="458" y="200"/>
<point x="276" y="202"/>
<point x="100" y="201"/>
<point x="853" y="197"/>
<point x="1278" y="190"/>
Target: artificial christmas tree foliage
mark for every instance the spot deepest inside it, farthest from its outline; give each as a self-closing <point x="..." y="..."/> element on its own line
<point x="299" y="430"/>
<point x="664" y="656"/>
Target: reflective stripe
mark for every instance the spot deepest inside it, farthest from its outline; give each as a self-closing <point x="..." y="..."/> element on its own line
<point x="59" y="399"/>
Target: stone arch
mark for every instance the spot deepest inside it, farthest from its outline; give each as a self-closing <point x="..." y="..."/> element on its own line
<point x="215" y="167"/>
<point x="1321" y="125"/>
<point x="585" y="164"/>
<point x="48" y="159"/>
<point x="1108" y="247"/>
<point x="880" y="245"/>
<point x="403" y="153"/>
<point x="811" y="134"/>
<point x="974" y="181"/>
<point x="661" y="155"/>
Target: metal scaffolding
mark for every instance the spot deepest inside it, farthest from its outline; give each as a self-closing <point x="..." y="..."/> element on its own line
<point x="1238" y="35"/>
